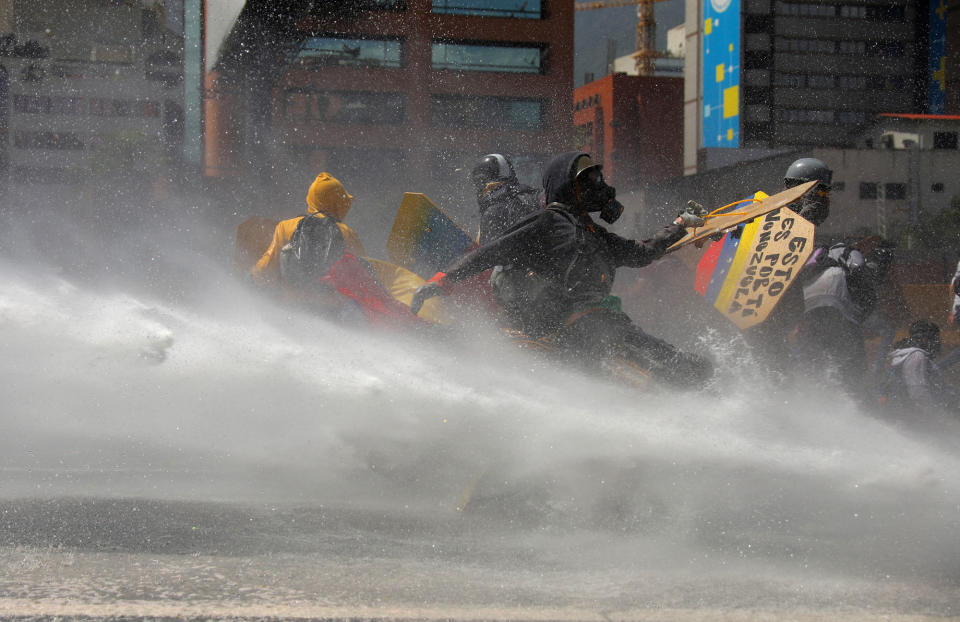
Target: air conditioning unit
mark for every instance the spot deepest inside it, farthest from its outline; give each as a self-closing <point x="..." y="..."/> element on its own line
<point x="899" y="140"/>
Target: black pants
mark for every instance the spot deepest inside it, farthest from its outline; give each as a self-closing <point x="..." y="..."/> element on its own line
<point x="601" y="333"/>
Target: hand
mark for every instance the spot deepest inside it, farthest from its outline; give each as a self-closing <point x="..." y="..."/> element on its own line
<point x="696" y="208"/>
<point x="689" y="219"/>
<point x="424" y="293"/>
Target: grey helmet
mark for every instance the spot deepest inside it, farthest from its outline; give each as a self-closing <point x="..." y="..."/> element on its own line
<point x="808" y="169"/>
<point x="815" y="204"/>
<point x="492" y="167"/>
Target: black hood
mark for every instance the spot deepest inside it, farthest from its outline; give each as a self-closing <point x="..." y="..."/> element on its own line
<point x="558" y="178"/>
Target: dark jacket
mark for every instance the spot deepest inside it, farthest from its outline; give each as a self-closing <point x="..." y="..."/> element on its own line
<point x="502" y="205"/>
<point x="573" y="259"/>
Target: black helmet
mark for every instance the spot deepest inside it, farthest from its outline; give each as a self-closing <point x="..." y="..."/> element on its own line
<point x="925" y="334"/>
<point x="924" y="328"/>
<point x="491" y="168"/>
<point x="807" y="169"/>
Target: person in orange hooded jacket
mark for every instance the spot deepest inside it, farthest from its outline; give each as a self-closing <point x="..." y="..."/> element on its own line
<point x="326" y="197"/>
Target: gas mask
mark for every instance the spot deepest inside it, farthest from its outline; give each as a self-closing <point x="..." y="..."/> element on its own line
<point x="597" y="196"/>
<point x="814" y="206"/>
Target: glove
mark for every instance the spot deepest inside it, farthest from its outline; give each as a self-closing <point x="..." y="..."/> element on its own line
<point x="434" y="287"/>
<point x="695" y="208"/>
<point x="689" y="219"/>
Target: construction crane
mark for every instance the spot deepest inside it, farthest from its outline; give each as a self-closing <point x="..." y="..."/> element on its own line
<point x="646" y="29"/>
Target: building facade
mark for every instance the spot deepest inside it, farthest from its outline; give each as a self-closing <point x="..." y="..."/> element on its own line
<point x="898" y="173"/>
<point x="799" y="73"/>
<point x="88" y="91"/>
<point x="397" y="95"/>
<point x="632" y="125"/>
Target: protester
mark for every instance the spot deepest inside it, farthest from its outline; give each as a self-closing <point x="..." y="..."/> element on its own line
<point x="502" y="199"/>
<point x="559" y="268"/>
<point x="914" y="381"/>
<point x="326" y="198"/>
<point x="816" y="328"/>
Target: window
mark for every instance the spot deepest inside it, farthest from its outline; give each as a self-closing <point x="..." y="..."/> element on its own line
<point x="818" y="46"/>
<point x="354" y="6"/>
<point x="31" y="104"/>
<point x="756" y="60"/>
<point x="851" y="82"/>
<point x="937" y="187"/>
<point x="517" y="9"/>
<point x="851" y="117"/>
<point x="838" y="186"/>
<point x="805" y="10"/>
<point x="852" y="47"/>
<point x="326" y="51"/>
<point x="347" y="107"/>
<point x="855" y="12"/>
<point x="583" y="135"/>
<point x="868" y="190"/>
<point x="805" y="116"/>
<point x="884" y="49"/>
<point x="885" y="13"/>
<point x="477" y="57"/>
<point x="47" y="140"/>
<point x="794" y="80"/>
<point x="895" y="191"/>
<point x="817" y="81"/>
<point x="885" y="83"/>
<point x="944" y="140"/>
<point x="487" y="112"/>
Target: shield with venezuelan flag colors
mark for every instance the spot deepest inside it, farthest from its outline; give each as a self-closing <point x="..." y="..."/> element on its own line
<point x="423" y="238"/>
<point x="746" y="273"/>
<point x="729" y="216"/>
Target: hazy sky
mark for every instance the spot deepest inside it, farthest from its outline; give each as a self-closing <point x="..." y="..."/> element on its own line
<point x="220" y="17"/>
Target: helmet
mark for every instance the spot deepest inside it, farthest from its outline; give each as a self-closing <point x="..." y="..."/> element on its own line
<point x="815" y="205"/>
<point x="924" y="328"/>
<point x="807" y="169"/>
<point x="583" y="165"/>
<point x="595" y="194"/>
<point x="491" y="168"/>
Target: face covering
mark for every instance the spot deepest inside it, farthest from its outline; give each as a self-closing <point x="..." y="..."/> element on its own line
<point x="815" y="209"/>
<point x="597" y="196"/>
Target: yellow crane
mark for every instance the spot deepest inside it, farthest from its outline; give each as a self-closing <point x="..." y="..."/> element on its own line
<point x="646" y="29"/>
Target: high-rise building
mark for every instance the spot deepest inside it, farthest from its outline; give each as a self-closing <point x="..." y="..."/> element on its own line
<point x="87" y="90"/>
<point x="391" y="94"/>
<point x="769" y="75"/>
<point x="632" y="125"/>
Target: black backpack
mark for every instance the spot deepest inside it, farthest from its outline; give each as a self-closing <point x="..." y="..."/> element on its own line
<point x="316" y="244"/>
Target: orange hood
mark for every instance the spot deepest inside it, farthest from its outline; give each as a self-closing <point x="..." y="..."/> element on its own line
<point x="328" y="196"/>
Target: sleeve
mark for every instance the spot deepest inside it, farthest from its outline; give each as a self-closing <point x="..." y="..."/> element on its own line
<point x="351" y="241"/>
<point x="523" y="239"/>
<point x="954" y="287"/>
<point x="267" y="269"/>
<point x="639" y="253"/>
<point x="916" y="375"/>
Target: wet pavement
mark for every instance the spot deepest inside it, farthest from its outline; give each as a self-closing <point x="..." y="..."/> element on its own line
<point x="141" y="559"/>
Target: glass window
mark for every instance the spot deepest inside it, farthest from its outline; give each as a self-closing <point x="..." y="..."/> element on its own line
<point x="518" y="9"/>
<point x="937" y="187"/>
<point x="475" y="57"/>
<point x="944" y="140"/>
<point x="487" y="112"/>
<point x="342" y="52"/>
<point x="347" y="107"/>
<point x="47" y="140"/>
<point x="868" y="190"/>
<point x="895" y="191"/>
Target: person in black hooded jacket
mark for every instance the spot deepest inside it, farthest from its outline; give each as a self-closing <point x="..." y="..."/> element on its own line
<point x="558" y="272"/>
<point x="502" y="199"/>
